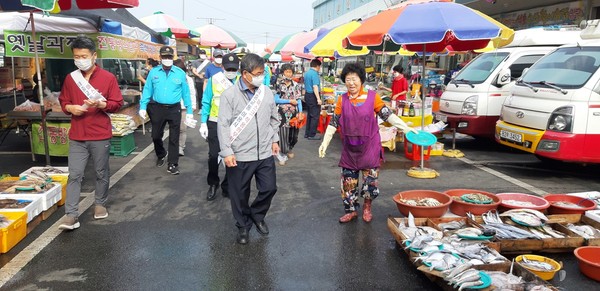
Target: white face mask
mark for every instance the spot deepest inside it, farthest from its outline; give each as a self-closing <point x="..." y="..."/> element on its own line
<point x="230" y="75"/>
<point x="257" y="80"/>
<point x="219" y="60"/>
<point x="203" y="57"/>
<point x="84" y="64"/>
<point x="167" y="63"/>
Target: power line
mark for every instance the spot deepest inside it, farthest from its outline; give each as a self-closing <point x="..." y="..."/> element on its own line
<point x="246" y="18"/>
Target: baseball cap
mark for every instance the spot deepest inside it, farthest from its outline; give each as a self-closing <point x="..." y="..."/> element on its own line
<point x="166" y="51"/>
<point x="231" y="61"/>
<point x="218" y="52"/>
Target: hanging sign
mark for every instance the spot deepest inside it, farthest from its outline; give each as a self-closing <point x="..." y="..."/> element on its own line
<point x="57" y="45"/>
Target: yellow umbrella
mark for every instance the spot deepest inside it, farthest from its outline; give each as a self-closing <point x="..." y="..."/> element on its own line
<point x="506" y="35"/>
<point x="330" y="44"/>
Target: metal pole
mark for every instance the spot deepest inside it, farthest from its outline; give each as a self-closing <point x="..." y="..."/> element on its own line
<point x="41" y="96"/>
<point x="423" y="104"/>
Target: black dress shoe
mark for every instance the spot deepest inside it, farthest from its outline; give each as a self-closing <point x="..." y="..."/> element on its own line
<point x="212" y="193"/>
<point x="262" y="227"/>
<point x="243" y="237"/>
<point x="224" y="193"/>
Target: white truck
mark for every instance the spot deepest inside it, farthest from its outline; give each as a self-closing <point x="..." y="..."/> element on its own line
<point x="473" y="99"/>
<point x="554" y="109"/>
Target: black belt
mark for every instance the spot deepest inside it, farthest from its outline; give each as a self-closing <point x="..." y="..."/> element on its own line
<point x="164" y="105"/>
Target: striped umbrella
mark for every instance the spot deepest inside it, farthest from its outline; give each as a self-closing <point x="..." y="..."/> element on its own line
<point x="329" y="44"/>
<point x="168" y="25"/>
<point x="215" y="36"/>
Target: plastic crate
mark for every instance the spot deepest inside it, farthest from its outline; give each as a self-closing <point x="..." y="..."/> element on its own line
<point x="64" y="169"/>
<point x="122" y="146"/>
<point x="58" y="178"/>
<point x="33" y="209"/>
<point x="14" y="232"/>
<point x="413" y="151"/>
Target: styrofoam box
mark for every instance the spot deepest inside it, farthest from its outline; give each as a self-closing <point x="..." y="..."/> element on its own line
<point x="49" y="198"/>
<point x="33" y="209"/>
<point x="593" y="214"/>
<point x="64" y="169"/>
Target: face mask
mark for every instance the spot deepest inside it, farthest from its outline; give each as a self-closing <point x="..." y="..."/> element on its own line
<point x="203" y="57"/>
<point x="230" y="75"/>
<point x="218" y="60"/>
<point x="257" y="80"/>
<point x="396" y="74"/>
<point x="84" y="64"/>
<point x="167" y="63"/>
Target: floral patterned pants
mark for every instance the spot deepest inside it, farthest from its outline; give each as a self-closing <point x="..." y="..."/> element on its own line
<point x="349" y="181"/>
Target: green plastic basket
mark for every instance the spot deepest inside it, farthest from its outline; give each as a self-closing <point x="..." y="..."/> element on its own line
<point x="122" y="146"/>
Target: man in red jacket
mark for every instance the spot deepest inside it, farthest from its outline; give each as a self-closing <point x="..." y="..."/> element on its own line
<point x="88" y="94"/>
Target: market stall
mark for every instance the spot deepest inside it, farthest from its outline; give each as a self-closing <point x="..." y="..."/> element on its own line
<point x="54" y="35"/>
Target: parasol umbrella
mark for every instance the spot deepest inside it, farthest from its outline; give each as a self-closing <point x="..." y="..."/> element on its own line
<point x="329" y="44"/>
<point x="427" y="27"/>
<point x="215" y="36"/>
<point x="168" y="25"/>
<point x="295" y="45"/>
<point x="55" y="6"/>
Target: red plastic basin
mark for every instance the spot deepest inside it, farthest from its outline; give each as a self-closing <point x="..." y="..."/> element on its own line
<point x="589" y="261"/>
<point x="423" y="211"/>
<point x="586" y="204"/>
<point x="460" y="207"/>
<point x="540" y="203"/>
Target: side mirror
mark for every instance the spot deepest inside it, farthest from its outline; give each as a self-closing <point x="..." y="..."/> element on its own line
<point x="503" y="77"/>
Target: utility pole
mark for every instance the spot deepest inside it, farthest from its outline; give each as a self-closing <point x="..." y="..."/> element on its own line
<point x="211" y="20"/>
<point x="183" y="10"/>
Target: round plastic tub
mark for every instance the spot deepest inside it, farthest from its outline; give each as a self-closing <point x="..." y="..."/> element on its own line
<point x="460" y="207"/>
<point x="540" y="203"/>
<point x="589" y="261"/>
<point x="584" y="203"/>
<point x="545" y="275"/>
<point x="423" y="211"/>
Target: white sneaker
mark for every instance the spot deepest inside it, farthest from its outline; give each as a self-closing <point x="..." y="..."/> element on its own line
<point x="100" y="212"/>
<point x="181" y="153"/>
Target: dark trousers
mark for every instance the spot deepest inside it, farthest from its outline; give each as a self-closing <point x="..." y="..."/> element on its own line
<point x="199" y="83"/>
<point x="312" y="120"/>
<point x="240" y="178"/>
<point x="160" y="115"/>
<point x="213" y="158"/>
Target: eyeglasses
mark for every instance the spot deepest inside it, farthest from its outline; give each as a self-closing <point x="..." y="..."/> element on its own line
<point x="262" y="75"/>
<point x="352" y="80"/>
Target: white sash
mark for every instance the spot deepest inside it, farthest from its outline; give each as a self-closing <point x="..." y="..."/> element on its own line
<point x="242" y="120"/>
<point x="201" y="66"/>
<point x="221" y="81"/>
<point x="85" y="87"/>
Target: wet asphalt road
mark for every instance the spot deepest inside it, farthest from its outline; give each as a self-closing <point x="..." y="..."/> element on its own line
<point x="162" y="234"/>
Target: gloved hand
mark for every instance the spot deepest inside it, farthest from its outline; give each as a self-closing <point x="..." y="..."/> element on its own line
<point x="143" y="114"/>
<point x="190" y="121"/>
<point x="203" y="130"/>
<point x="400" y="124"/>
<point x="326" y="140"/>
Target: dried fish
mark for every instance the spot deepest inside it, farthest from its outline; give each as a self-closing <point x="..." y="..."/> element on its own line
<point x="586" y="231"/>
<point x="428" y="202"/>
<point x="452" y="225"/>
<point x="4" y="222"/>
<point x="536" y="265"/>
<point x="518" y="203"/>
<point x="566" y="204"/>
<point x="469" y="231"/>
<point x="526" y="217"/>
<point x="470" y="284"/>
<point x="476" y="198"/>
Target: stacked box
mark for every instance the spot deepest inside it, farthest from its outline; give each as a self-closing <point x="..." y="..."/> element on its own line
<point x="33" y="209"/>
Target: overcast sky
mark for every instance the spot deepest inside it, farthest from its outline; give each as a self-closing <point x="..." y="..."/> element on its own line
<point x="254" y="21"/>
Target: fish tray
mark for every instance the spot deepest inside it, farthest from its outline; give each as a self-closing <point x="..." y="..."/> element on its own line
<point x="570" y="243"/>
<point x="48" y="198"/>
<point x="33" y="209"/>
<point x="122" y="146"/>
<point x="65" y="171"/>
<point x="438" y="278"/>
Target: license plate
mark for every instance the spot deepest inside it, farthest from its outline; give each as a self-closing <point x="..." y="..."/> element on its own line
<point x="511" y="136"/>
<point x="441" y="117"/>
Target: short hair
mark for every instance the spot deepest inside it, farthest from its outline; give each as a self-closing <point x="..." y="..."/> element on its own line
<point x="356" y="68"/>
<point x="315" y="63"/>
<point x="152" y="62"/>
<point x="250" y="62"/>
<point x="180" y="64"/>
<point x="286" y="67"/>
<point x="83" y="42"/>
<point x="398" y="68"/>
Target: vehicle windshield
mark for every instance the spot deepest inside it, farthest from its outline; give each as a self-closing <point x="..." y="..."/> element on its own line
<point x="567" y="68"/>
<point x="480" y="68"/>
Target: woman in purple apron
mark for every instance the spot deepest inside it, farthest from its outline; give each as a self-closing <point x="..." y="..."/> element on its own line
<point x="361" y="144"/>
